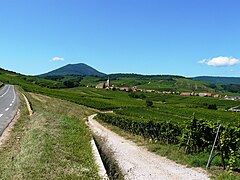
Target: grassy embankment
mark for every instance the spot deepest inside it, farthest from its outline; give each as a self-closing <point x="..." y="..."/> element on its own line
<point x="1" y="84"/>
<point x="54" y="143"/>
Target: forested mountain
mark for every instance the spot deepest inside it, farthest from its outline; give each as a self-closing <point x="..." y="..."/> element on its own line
<point x="74" y="69"/>
<point x="219" y="80"/>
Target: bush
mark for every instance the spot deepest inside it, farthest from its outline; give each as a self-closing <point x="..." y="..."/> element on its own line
<point x="135" y="95"/>
<point x="149" y="103"/>
<point x="212" y="106"/>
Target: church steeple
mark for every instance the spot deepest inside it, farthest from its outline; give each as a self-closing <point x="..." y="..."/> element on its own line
<point x="108" y="82"/>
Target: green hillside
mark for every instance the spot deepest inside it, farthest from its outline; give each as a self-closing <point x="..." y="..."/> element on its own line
<point x="219" y="80"/>
<point x="9" y="77"/>
<point x="154" y="82"/>
<point x="74" y="75"/>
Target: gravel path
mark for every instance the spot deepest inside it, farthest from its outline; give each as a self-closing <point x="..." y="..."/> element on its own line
<point x="140" y="164"/>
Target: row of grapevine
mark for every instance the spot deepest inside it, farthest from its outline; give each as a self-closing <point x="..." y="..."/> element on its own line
<point x="195" y="136"/>
<point x="164" y="132"/>
<point x="177" y="114"/>
<point x="198" y="135"/>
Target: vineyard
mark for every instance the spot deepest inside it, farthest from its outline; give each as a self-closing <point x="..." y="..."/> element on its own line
<point x="195" y="136"/>
<point x="169" y="120"/>
<point x="165" y="112"/>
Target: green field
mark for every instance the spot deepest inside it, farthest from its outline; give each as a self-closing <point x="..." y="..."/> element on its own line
<point x="165" y="107"/>
<point x="172" y="119"/>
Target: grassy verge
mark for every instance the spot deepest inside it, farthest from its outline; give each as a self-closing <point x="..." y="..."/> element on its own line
<point x="54" y="143"/>
<point x="174" y="153"/>
<point x="1" y="85"/>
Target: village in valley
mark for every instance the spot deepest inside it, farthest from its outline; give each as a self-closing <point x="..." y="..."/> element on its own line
<point x="108" y="86"/>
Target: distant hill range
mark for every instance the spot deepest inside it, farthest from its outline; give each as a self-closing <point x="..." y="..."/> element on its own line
<point x="219" y="80"/>
<point x="72" y="76"/>
<point x="73" y="69"/>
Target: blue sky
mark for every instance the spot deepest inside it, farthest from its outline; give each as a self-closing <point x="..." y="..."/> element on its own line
<point x="182" y="37"/>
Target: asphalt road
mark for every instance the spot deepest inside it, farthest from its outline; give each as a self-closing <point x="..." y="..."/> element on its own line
<point x="8" y="106"/>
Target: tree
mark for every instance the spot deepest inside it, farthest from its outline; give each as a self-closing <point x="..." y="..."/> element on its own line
<point x="142" y="96"/>
<point x="212" y="106"/>
<point x="70" y="83"/>
<point x="133" y="95"/>
<point x="149" y="103"/>
<point x="136" y="95"/>
<point x="212" y="85"/>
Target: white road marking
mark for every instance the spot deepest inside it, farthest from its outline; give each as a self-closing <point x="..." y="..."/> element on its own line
<point x="14" y="95"/>
<point x="5" y="92"/>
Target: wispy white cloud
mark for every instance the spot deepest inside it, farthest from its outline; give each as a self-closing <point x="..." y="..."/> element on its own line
<point x="202" y="61"/>
<point x="57" y="59"/>
<point x="220" y="61"/>
<point x="234" y="70"/>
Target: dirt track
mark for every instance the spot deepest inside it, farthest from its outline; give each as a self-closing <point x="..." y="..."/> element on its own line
<point x="140" y="164"/>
